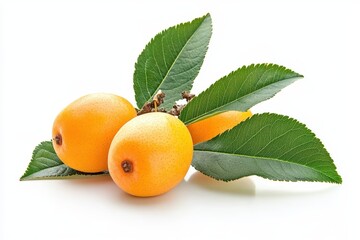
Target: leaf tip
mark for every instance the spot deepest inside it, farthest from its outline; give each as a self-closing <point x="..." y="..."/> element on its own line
<point x="337" y="179"/>
<point x="23" y="179"/>
<point x="208" y="15"/>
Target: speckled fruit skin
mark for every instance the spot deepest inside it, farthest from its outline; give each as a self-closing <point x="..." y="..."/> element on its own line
<point x="82" y="132"/>
<point x="208" y="128"/>
<point x="150" y="154"/>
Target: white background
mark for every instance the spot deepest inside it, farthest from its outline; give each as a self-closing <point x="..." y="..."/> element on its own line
<point x="55" y="51"/>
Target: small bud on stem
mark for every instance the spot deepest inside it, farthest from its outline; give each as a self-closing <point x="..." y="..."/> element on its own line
<point x="176" y="110"/>
<point x="187" y="95"/>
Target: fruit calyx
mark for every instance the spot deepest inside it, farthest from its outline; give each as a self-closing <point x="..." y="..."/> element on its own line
<point x="58" y="139"/>
<point x="127" y="166"/>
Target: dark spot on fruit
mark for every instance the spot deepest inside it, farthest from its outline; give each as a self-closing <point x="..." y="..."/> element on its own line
<point x="58" y="139"/>
<point x="127" y="166"/>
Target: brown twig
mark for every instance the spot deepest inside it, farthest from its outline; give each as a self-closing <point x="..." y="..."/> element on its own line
<point x="176" y="110"/>
<point x="152" y="106"/>
<point x="158" y="99"/>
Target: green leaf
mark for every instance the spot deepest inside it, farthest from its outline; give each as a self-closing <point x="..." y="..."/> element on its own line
<point x="240" y="90"/>
<point x="45" y="164"/>
<point x="171" y="61"/>
<point x="267" y="145"/>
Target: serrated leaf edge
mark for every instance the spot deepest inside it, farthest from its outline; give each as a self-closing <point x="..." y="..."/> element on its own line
<point x="182" y="49"/>
<point x="340" y="180"/>
<point x="204" y="115"/>
<point x="27" y="177"/>
<point x="279" y="160"/>
<point x="36" y="149"/>
<point x="154" y="38"/>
